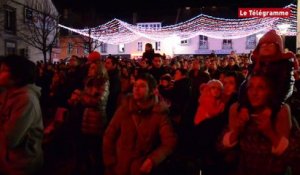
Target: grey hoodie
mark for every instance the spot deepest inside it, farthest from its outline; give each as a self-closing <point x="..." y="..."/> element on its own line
<point x="21" y="131"/>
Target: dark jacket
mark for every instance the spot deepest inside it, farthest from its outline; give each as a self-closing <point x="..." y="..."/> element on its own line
<point x="180" y="96"/>
<point x="149" y="55"/>
<point x="114" y="91"/>
<point x="157" y="72"/>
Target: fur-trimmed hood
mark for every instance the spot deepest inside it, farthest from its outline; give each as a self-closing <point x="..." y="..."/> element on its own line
<point x="153" y="104"/>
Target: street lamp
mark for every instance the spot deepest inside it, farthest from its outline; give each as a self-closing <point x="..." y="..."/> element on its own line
<point x="283" y="28"/>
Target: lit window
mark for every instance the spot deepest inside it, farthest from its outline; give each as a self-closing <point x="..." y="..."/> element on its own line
<point x="70" y="48"/>
<point x="157" y="46"/>
<point x="203" y="42"/>
<point x="251" y="42"/>
<point x="86" y="48"/>
<point x="121" y="48"/>
<point x="103" y="48"/>
<point x="227" y="44"/>
<point x="140" y="46"/>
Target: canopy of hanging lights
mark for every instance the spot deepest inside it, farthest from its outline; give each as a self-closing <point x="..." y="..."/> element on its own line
<point x="120" y="32"/>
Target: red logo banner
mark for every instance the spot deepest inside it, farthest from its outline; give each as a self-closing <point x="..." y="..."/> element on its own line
<point x="264" y="12"/>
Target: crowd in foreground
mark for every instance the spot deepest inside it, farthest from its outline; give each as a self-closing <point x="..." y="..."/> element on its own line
<point x="233" y="115"/>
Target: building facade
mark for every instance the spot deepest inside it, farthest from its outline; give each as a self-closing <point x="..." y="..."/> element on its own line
<point x="200" y="35"/>
<point x="198" y="45"/>
<point x="72" y="45"/>
<point x="15" y="16"/>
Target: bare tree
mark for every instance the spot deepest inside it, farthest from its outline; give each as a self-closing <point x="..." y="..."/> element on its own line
<point x="88" y="43"/>
<point x="40" y="27"/>
<point x="81" y="19"/>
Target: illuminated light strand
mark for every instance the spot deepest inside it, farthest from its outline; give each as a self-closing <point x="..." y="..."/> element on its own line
<point x="117" y="31"/>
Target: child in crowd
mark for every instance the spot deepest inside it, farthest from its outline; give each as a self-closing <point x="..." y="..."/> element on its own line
<point x="210" y="103"/>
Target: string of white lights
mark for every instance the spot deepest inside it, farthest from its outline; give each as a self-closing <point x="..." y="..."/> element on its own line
<point x="121" y="32"/>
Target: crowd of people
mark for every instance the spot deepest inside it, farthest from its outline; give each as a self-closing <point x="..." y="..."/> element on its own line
<point x="236" y="114"/>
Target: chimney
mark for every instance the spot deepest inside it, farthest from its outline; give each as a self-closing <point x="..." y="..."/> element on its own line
<point x="134" y="18"/>
<point x="178" y="14"/>
<point x="66" y="13"/>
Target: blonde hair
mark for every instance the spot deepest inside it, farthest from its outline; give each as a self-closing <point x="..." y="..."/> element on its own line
<point x="216" y="83"/>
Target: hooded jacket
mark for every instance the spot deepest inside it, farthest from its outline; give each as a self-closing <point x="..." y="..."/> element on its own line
<point x="21" y="131"/>
<point x="280" y="69"/>
<point x="136" y="134"/>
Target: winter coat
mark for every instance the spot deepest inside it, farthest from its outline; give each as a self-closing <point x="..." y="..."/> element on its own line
<point x="279" y="68"/>
<point x="136" y="134"/>
<point x="114" y="91"/>
<point x="157" y="72"/>
<point x="21" y="131"/>
<point x="180" y="96"/>
<point x="94" y="100"/>
<point x="149" y="55"/>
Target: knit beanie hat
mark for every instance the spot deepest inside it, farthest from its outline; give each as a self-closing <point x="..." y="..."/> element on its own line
<point x="94" y="56"/>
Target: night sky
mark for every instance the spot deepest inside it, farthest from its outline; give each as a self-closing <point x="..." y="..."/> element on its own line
<point x="160" y="10"/>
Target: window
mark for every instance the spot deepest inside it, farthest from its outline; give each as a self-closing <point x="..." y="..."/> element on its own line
<point x="70" y="48"/>
<point x="10" y="47"/>
<point x="140" y="46"/>
<point x="103" y="48"/>
<point x="184" y="42"/>
<point x="227" y="44"/>
<point x="10" y="20"/>
<point x="86" y="48"/>
<point x="203" y="42"/>
<point x="121" y="48"/>
<point x="251" y="42"/>
<point x="28" y="15"/>
<point x="157" y="46"/>
<point x="24" y="52"/>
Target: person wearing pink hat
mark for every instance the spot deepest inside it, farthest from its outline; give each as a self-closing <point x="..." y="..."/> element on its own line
<point x="269" y="58"/>
<point x="93" y="57"/>
<point x="271" y="68"/>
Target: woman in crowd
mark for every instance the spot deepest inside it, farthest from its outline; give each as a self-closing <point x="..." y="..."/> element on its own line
<point x="269" y="57"/>
<point x="140" y="135"/>
<point x="262" y="137"/>
<point x="94" y="100"/>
